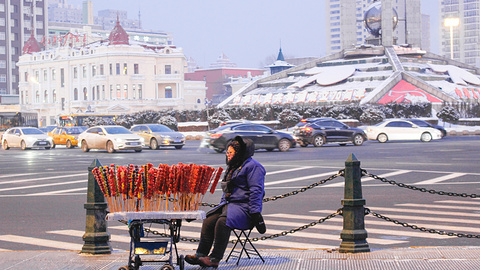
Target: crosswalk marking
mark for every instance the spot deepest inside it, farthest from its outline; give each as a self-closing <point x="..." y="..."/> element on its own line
<point x="420" y="211"/>
<point x="440" y="179"/>
<point x="438" y="206"/>
<point x="461" y="202"/>
<point x="43" y="178"/>
<point x="394" y="173"/>
<point x="299" y="178"/>
<point x="43" y="185"/>
<point x="15" y="175"/>
<point x="290" y="170"/>
<point x="40" y="242"/>
<point x="57" y="192"/>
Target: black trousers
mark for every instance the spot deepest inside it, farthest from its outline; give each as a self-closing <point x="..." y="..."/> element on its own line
<point x="214" y="232"/>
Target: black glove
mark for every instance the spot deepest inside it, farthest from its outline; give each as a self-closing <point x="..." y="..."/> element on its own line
<point x="258" y="222"/>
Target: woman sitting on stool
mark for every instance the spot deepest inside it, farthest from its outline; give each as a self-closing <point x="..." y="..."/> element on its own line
<point x="240" y="206"/>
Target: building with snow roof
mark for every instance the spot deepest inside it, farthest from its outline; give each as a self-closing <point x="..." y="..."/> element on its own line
<point x="373" y="74"/>
<point x="109" y="76"/>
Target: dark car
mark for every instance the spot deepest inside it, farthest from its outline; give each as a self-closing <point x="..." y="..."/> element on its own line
<point x="422" y="123"/>
<point x="263" y="137"/>
<point x="327" y="130"/>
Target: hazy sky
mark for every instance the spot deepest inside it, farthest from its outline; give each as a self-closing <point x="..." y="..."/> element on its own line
<point x="249" y="32"/>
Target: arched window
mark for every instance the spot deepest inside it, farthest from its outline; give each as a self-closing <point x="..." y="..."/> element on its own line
<point x="45" y="97"/>
<point x="85" y="94"/>
<point x="54" y="96"/>
<point x="75" y="94"/>
<point x="37" y="97"/>
<point x="168" y="92"/>
<point x="199" y="101"/>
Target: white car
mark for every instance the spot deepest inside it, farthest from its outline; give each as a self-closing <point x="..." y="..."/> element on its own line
<point x="111" y="138"/>
<point x="25" y="138"/>
<point x="399" y="130"/>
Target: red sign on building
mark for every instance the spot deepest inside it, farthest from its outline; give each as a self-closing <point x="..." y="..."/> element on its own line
<point x="405" y="92"/>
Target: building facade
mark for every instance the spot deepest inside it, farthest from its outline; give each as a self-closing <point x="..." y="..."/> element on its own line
<point x="465" y="36"/>
<point x="106" y="77"/>
<point x="18" y="18"/>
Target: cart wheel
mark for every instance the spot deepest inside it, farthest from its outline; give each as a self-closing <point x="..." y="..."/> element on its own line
<point x="137" y="263"/>
<point x="167" y="267"/>
<point x="181" y="262"/>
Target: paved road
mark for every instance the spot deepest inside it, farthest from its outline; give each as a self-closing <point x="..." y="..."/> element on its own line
<point x="42" y="193"/>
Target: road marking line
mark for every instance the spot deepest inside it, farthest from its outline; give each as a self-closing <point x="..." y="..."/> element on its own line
<point x="2" y="249"/>
<point x="440" y="179"/>
<point x="430" y="212"/>
<point x="438" y="206"/>
<point x="461" y="202"/>
<point x="44" y="185"/>
<point x="56" y="192"/>
<point x="341" y="184"/>
<point x="290" y="170"/>
<point x="40" y="242"/>
<point x="299" y="178"/>
<point x="15" y="175"/>
<point x="43" y="178"/>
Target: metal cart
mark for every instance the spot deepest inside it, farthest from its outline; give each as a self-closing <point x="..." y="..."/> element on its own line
<point x="159" y="247"/>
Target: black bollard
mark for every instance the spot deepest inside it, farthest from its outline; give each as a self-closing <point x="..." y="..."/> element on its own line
<point x="96" y="237"/>
<point x="353" y="234"/>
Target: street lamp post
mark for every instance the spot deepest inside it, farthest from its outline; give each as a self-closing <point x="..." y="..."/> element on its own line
<point x="451" y="22"/>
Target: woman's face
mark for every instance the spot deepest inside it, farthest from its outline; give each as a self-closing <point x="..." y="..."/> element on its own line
<point x="230" y="153"/>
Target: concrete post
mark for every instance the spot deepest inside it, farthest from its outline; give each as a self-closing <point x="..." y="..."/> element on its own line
<point x="353" y="234"/>
<point x="96" y="237"/>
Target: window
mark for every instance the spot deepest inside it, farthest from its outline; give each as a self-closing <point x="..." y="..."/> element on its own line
<point x="103" y="91"/>
<point x="119" y="93"/>
<point x="44" y="75"/>
<point x="3" y="64"/>
<point x="93" y="93"/>
<point x="125" y="91"/>
<point x="45" y="97"/>
<point x="101" y="69"/>
<point x="168" y="69"/>
<point x="3" y="77"/>
<point x="125" y="69"/>
<point x="134" y="92"/>
<point x="75" y="73"/>
<point x="54" y="74"/>
<point x="117" y="68"/>
<point x="85" y="94"/>
<point x="94" y="71"/>
<point x="135" y="68"/>
<point x="168" y="92"/>
<point x="111" y="69"/>
<point x="37" y="97"/>
<point x="139" y="91"/>
<point x="98" y="91"/>
<point x="84" y="72"/>
<point x="2" y="35"/>
<point x="111" y="91"/>
<point x="62" y="77"/>
<point x="54" y="96"/>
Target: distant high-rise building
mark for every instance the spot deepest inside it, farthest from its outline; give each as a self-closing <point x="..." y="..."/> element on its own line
<point x="18" y="18"/>
<point x="346" y="29"/>
<point x="466" y="36"/>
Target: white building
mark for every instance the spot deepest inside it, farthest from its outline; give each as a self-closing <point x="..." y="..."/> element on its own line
<point x="465" y="35"/>
<point x="111" y="76"/>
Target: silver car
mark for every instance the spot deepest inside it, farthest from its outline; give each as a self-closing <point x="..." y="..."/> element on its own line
<point x="157" y="135"/>
<point x="26" y="138"/>
<point x="111" y="138"/>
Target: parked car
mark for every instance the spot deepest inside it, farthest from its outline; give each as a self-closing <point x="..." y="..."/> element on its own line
<point x="397" y="129"/>
<point x="25" y="138"/>
<point x="263" y="137"/>
<point x="156" y="135"/>
<point x="67" y="136"/>
<point x="423" y="123"/>
<point x="111" y="138"/>
<point x="319" y="131"/>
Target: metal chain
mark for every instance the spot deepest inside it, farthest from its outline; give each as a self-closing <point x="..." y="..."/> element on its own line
<point x="295" y="192"/>
<point x="301" y="228"/>
<point x="431" y="191"/>
<point x="423" y="229"/>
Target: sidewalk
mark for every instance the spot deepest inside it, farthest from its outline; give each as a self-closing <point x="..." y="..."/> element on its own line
<point x="427" y="258"/>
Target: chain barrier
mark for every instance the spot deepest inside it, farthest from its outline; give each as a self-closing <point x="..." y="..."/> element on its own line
<point x="301" y="228"/>
<point x="431" y="191"/>
<point x="415" y="227"/>
<point x="295" y="192"/>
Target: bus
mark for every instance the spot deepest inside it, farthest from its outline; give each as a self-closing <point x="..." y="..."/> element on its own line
<point x="10" y="119"/>
<point x="78" y="119"/>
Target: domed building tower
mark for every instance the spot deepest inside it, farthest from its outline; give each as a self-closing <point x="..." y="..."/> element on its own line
<point x="31" y="45"/>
